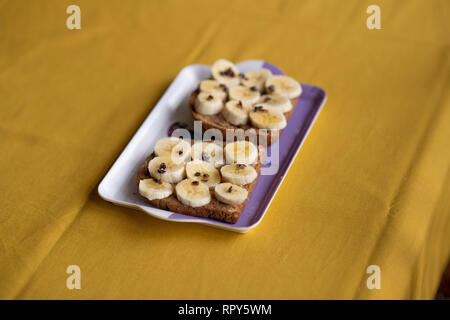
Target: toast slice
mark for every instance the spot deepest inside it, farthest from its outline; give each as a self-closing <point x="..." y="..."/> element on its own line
<point x="217" y="121"/>
<point x="214" y="210"/>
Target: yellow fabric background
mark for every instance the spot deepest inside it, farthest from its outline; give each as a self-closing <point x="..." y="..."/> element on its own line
<point x="371" y="184"/>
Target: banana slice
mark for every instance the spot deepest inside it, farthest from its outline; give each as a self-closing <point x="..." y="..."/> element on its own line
<point x="235" y="112"/>
<point x="193" y="193"/>
<point x="267" y="119"/>
<point x="275" y="102"/>
<point x="176" y="149"/>
<point x="239" y="174"/>
<point x="164" y="169"/>
<point x="225" y="72"/>
<point x="155" y="189"/>
<point x="243" y="152"/>
<point x="214" y="86"/>
<point x="208" y="103"/>
<point x="256" y="79"/>
<point x="244" y="94"/>
<point x="283" y="85"/>
<point x="230" y="193"/>
<point x="202" y="171"/>
<point x="209" y="152"/>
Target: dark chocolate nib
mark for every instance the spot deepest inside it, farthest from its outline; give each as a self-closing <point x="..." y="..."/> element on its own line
<point x="228" y="72"/>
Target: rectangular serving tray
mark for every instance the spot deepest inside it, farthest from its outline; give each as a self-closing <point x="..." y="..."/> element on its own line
<point x="119" y="184"/>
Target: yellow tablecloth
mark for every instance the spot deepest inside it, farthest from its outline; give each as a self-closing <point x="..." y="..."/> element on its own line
<point x="370" y="186"/>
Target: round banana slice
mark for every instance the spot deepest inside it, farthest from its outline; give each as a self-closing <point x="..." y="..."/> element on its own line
<point x="244" y="94"/>
<point x="275" y="102"/>
<point x="267" y="119"/>
<point x="209" y="152"/>
<point x="155" y="189"/>
<point x="225" y="72"/>
<point x="283" y="85"/>
<point x="193" y="193"/>
<point x="243" y="152"/>
<point x="208" y="103"/>
<point x="235" y="112"/>
<point x="256" y="79"/>
<point x="176" y="149"/>
<point x="202" y="171"/>
<point x="230" y="193"/>
<point x="239" y="174"/>
<point x="164" y="169"/>
<point x="214" y="86"/>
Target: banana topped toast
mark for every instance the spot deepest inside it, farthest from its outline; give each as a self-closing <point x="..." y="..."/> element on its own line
<point x="203" y="179"/>
<point x="254" y="100"/>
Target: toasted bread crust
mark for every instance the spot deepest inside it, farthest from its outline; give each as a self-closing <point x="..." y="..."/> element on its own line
<point x="217" y="121"/>
<point x="214" y="210"/>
